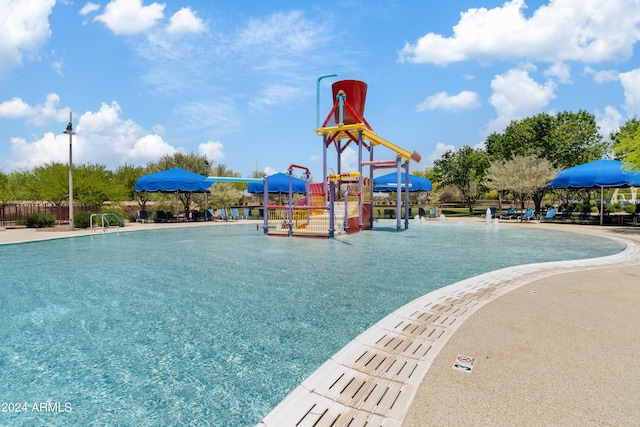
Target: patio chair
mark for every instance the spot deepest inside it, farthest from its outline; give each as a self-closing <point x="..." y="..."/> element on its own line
<point x="223" y="214"/>
<point x="234" y="214"/>
<point x="551" y="215"/>
<point x="433" y="212"/>
<point x="247" y="213"/>
<point x="209" y="215"/>
<point x="161" y="216"/>
<point x="143" y="216"/>
<point x="566" y="215"/>
<point x="528" y="215"/>
<point x="195" y="215"/>
<point x="422" y="212"/>
<point x="509" y="214"/>
<point x="585" y="216"/>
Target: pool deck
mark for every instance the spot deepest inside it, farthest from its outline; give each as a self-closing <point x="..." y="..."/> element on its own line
<point x="541" y="344"/>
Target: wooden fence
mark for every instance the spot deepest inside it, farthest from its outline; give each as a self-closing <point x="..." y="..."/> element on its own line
<point x="18" y="212"/>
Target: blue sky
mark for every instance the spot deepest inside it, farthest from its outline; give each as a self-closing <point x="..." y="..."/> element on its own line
<point x="236" y="81"/>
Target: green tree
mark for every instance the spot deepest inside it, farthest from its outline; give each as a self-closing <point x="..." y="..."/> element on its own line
<point x="50" y="183"/>
<point x="464" y="170"/>
<point x="626" y="142"/>
<point x="522" y="175"/>
<point x="225" y="194"/>
<point x="5" y="192"/>
<point x="566" y="140"/>
<point x="124" y="180"/>
<point x="92" y="184"/>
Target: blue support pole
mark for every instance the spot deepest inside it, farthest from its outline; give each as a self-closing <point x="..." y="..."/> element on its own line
<point x="360" y="198"/>
<point x="331" y="213"/>
<point x="407" y="208"/>
<point x="318" y="97"/>
<point x="341" y="97"/>
<point x="290" y="207"/>
<point x="265" y="206"/>
<point x="398" y="194"/>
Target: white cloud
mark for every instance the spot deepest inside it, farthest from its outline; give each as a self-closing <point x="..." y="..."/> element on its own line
<point x="148" y="148"/>
<point x="89" y="8"/>
<point x="516" y="95"/>
<point x="290" y="32"/>
<point x="128" y="17"/>
<point x="269" y="170"/>
<point x="213" y="150"/>
<point x="185" y="21"/>
<point x="438" y="152"/>
<point x="564" y="30"/>
<point x="102" y="137"/>
<point x="25" y="29"/>
<point x="465" y="100"/>
<point x="609" y="121"/>
<point x="560" y="71"/>
<point x="631" y="83"/>
<point x="602" y="76"/>
<point x="40" y="114"/>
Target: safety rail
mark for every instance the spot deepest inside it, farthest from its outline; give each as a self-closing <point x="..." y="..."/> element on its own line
<point x="105" y="221"/>
<point x="299" y="221"/>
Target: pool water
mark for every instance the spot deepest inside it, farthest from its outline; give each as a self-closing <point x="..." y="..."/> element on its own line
<point x="215" y="325"/>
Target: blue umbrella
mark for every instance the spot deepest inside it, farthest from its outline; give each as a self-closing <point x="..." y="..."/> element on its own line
<point x="389" y="182"/>
<point x="279" y="183"/>
<point x="173" y="180"/>
<point x="599" y="174"/>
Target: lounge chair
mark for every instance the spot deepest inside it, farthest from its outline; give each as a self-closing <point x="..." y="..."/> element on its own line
<point x="143" y="216"/>
<point x="551" y="215"/>
<point x="247" y="213"/>
<point x="209" y="215"/>
<point x="223" y="214"/>
<point x="509" y="214"/>
<point x="585" y="216"/>
<point x="234" y="213"/>
<point x="433" y="212"/>
<point x="195" y="215"/>
<point x="161" y="216"/>
<point x="566" y="215"/>
<point x="528" y="215"/>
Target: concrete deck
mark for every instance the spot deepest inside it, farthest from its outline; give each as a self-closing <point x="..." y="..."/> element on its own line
<point x="545" y="344"/>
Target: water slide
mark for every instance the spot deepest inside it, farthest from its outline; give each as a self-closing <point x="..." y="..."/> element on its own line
<point x="350" y="132"/>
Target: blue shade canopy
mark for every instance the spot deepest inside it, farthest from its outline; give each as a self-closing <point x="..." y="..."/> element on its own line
<point x="389" y="182"/>
<point x="598" y="174"/>
<point x="173" y="180"/>
<point x="279" y="183"/>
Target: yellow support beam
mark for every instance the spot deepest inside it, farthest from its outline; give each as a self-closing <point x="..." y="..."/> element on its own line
<point x="370" y="136"/>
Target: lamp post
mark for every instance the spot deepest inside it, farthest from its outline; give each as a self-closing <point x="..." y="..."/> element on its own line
<point x="318" y="97"/>
<point x="69" y="131"/>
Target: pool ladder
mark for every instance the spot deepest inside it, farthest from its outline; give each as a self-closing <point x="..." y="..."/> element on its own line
<point x="105" y="221"/>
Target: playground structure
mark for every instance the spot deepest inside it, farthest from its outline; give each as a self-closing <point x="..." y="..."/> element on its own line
<point x="342" y="203"/>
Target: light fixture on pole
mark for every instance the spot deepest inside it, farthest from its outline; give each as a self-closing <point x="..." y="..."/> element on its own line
<point x="69" y="131"/>
<point x="318" y="97"/>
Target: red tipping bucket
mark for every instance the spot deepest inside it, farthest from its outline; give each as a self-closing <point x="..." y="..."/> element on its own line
<point x="356" y="92"/>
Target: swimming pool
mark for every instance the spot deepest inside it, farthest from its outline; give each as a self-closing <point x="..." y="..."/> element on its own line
<point x="215" y="325"/>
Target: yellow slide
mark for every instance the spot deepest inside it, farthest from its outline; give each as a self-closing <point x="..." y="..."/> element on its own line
<point x="345" y="132"/>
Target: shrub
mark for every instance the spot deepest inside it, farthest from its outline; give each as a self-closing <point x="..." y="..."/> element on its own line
<point x="629" y="208"/>
<point x="40" y="220"/>
<point x="81" y="219"/>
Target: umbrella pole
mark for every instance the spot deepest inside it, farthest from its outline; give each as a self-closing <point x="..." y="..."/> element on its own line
<point x="601" y="205"/>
